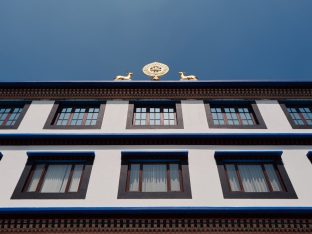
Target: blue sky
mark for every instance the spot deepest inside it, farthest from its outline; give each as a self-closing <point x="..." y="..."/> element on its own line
<point x="54" y="40"/>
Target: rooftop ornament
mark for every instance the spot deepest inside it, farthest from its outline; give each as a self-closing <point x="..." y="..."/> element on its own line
<point x="189" y="77"/>
<point x="127" y="77"/>
<point x="155" y="70"/>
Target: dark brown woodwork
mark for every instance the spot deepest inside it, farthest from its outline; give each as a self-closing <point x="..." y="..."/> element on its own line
<point x="159" y="224"/>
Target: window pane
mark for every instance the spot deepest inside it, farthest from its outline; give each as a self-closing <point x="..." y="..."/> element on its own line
<point x="75" y="181"/>
<point x="274" y="181"/>
<point x="35" y="178"/>
<point x="134" y="177"/>
<point x="233" y="179"/>
<point x="253" y="179"/>
<point x="56" y="179"/>
<point x="174" y="177"/>
<point x="154" y="178"/>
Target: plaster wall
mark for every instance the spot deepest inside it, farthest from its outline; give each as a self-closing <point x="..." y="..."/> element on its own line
<point x="205" y="182"/>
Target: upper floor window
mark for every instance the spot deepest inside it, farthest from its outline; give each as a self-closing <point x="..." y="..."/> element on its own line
<point x="55" y="175"/>
<point x="253" y="175"/>
<point x="12" y="113"/>
<point x="241" y="114"/>
<point x="150" y="114"/>
<point x="154" y="175"/>
<point x="71" y="114"/>
<point x="299" y="114"/>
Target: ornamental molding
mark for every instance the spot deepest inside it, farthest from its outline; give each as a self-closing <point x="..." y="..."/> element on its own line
<point x="156" y="93"/>
<point x="156" y="225"/>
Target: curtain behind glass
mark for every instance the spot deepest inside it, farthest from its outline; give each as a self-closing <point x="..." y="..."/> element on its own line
<point x="174" y="177"/>
<point x="274" y="181"/>
<point x="233" y="179"/>
<point x="35" y="178"/>
<point x="154" y="178"/>
<point x="253" y="179"/>
<point x="56" y="179"/>
<point x="134" y="177"/>
<point x="75" y="181"/>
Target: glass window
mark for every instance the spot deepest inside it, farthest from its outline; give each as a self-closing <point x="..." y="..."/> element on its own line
<point x="154" y="175"/>
<point x="253" y="175"/>
<point x="233" y="116"/>
<point x="55" y="176"/>
<point x="148" y="177"/>
<point x="11" y="113"/>
<point x="154" y="116"/>
<point x="301" y="116"/>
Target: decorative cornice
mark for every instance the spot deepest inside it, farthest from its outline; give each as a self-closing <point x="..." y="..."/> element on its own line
<point x="157" y="139"/>
<point x="183" y="224"/>
<point x="156" y="90"/>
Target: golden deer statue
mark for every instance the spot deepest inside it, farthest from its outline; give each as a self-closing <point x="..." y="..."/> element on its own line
<point x="127" y="77"/>
<point x="184" y="77"/>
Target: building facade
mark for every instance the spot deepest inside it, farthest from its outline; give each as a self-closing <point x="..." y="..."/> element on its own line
<point x="128" y="156"/>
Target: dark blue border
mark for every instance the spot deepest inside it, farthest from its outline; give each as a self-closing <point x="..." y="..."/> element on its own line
<point x="60" y="154"/>
<point x="247" y="153"/>
<point x="151" y="84"/>
<point x="108" y="136"/>
<point x="157" y="210"/>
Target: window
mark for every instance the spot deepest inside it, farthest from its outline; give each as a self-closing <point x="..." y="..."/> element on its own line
<point x="55" y="176"/>
<point x="149" y="114"/>
<point x="154" y="175"/>
<point x="12" y="113"/>
<point x="298" y="113"/>
<point x="253" y="175"/>
<point x="242" y="114"/>
<point x="87" y="114"/>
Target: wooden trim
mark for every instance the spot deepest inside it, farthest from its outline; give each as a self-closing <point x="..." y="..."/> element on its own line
<point x="153" y="90"/>
<point x="177" y="224"/>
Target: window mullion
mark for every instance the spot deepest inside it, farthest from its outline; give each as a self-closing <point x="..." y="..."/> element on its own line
<point x="267" y="180"/>
<point x="238" y="116"/>
<point x="70" y="177"/>
<point x="71" y="117"/>
<point x="7" y="118"/>
<point x="85" y="115"/>
<point x="239" y="178"/>
<point x="39" y="186"/>
<point x="141" y="177"/>
<point x="168" y="177"/>
<point x="162" y="116"/>
<point x="147" y="121"/>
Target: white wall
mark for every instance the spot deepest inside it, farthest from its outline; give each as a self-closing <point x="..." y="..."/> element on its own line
<point x="205" y="182"/>
<point x="194" y="118"/>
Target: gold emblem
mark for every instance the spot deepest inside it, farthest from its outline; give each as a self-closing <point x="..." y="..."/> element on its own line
<point x="155" y="70"/>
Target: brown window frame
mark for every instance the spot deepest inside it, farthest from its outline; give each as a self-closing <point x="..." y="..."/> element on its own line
<point x="295" y="104"/>
<point x="128" y="158"/>
<point x="59" y="105"/>
<point x="52" y="158"/>
<point x="154" y="104"/>
<point x="9" y="104"/>
<point x="254" y="158"/>
<point x="250" y="105"/>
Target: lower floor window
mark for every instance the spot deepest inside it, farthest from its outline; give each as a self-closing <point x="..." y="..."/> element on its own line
<point x="55" y="175"/>
<point x="253" y="178"/>
<point x="154" y="177"/>
<point x="253" y="175"/>
<point x="55" y="178"/>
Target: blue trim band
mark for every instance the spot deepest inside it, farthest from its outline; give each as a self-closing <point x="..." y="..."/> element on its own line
<point x="60" y="154"/>
<point x="154" y="153"/>
<point x="162" y="84"/>
<point x="158" y="210"/>
<point x="249" y="153"/>
<point x="155" y="135"/>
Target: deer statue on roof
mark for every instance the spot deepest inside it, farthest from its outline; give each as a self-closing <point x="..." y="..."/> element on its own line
<point x="127" y="77"/>
<point x="184" y="77"/>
